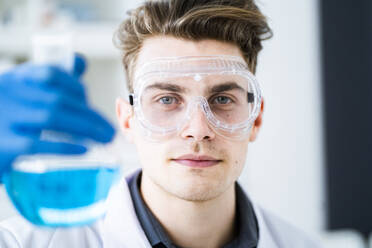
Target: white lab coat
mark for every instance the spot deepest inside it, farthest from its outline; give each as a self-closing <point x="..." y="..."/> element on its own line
<point x="120" y="228"/>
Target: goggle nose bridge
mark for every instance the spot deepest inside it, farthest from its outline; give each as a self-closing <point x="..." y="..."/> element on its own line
<point x="197" y="101"/>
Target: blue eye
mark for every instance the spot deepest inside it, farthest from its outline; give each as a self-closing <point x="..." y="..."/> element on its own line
<point x="168" y="100"/>
<point x="222" y="100"/>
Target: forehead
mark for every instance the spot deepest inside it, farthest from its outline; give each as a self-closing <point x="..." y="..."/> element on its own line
<point x="169" y="46"/>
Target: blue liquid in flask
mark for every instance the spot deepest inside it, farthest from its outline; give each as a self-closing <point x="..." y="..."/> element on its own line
<point x="67" y="193"/>
<point x="61" y="197"/>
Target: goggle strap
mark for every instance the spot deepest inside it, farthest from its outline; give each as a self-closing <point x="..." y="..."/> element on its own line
<point x="131" y="99"/>
<point x="250" y="97"/>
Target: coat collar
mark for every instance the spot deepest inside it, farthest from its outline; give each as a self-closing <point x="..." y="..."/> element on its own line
<point x="121" y="228"/>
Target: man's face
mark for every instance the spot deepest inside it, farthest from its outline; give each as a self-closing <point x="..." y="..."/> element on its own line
<point x="159" y="159"/>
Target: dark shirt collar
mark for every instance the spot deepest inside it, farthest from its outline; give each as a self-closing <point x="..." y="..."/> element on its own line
<point x="247" y="227"/>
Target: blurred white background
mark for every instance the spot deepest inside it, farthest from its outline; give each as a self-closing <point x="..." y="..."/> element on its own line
<point x="284" y="171"/>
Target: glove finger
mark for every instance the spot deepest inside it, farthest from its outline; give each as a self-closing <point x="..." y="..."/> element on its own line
<point x="47" y="77"/>
<point x="34" y="113"/>
<point x="67" y="114"/>
<point x="79" y="65"/>
<point x="32" y="95"/>
<point x="83" y="122"/>
<point x="14" y="145"/>
<point x="47" y="147"/>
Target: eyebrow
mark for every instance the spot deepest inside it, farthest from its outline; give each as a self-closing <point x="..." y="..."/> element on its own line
<point x="176" y="88"/>
<point x="168" y="87"/>
<point x="226" y="87"/>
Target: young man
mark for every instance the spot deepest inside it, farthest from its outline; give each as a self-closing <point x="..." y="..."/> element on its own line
<point x="193" y="109"/>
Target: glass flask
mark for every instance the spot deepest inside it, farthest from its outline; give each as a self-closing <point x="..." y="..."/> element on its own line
<point x="61" y="190"/>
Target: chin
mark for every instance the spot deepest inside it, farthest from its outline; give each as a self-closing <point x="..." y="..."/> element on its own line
<point x="192" y="184"/>
<point x="196" y="191"/>
<point x="198" y="197"/>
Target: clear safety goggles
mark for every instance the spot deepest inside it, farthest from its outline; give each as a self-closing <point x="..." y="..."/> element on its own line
<point x="169" y="91"/>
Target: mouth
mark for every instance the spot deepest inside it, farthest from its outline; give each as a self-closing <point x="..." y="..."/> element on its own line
<point x="197" y="161"/>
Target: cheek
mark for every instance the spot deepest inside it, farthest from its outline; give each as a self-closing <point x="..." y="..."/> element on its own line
<point x="150" y="154"/>
<point x="238" y="155"/>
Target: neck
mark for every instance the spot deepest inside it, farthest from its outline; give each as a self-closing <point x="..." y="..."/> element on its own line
<point x="192" y="224"/>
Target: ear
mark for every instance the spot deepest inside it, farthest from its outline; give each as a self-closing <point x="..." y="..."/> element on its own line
<point x="124" y="114"/>
<point x="257" y="124"/>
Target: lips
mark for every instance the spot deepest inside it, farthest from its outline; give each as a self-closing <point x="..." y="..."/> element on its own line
<point x="198" y="161"/>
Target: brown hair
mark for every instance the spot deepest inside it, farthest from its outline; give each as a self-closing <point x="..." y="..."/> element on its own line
<point x="235" y="21"/>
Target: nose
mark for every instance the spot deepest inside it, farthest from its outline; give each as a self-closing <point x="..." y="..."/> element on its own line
<point x="197" y="126"/>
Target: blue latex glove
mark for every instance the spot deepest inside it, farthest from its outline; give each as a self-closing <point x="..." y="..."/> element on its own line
<point x="38" y="97"/>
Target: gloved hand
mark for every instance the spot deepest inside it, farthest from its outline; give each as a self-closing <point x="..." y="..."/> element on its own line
<point x="39" y="97"/>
